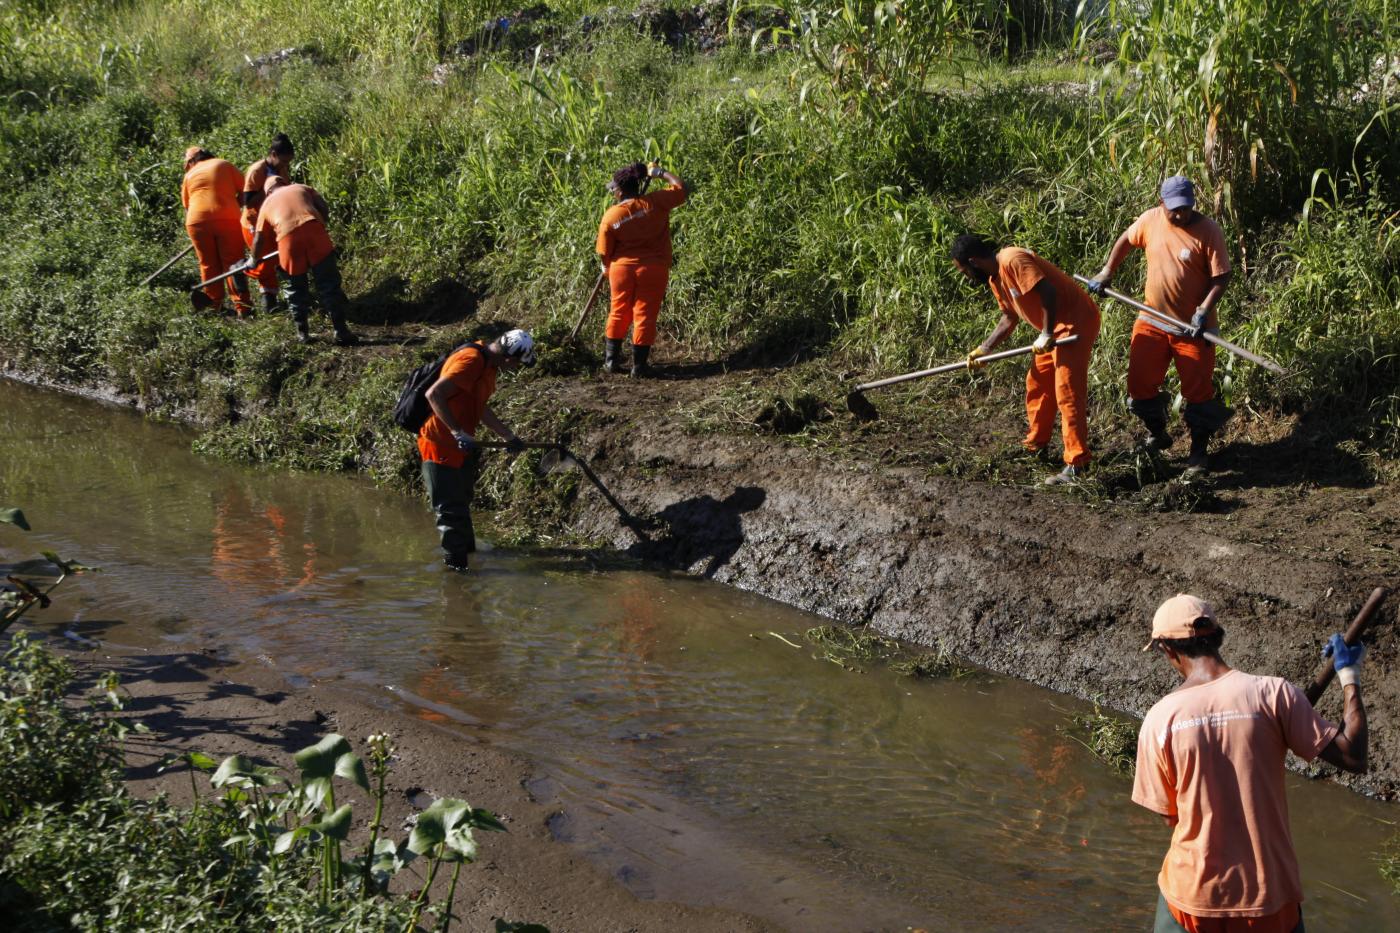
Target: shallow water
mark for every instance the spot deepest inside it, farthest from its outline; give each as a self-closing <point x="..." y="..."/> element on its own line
<point x="697" y="756"/>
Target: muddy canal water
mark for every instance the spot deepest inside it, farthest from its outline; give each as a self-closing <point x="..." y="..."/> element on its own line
<point x="693" y="753"/>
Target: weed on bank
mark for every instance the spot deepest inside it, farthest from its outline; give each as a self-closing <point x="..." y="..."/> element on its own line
<point x="264" y="850"/>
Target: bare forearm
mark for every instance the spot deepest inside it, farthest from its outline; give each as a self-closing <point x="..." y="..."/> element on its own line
<point x="1354" y="726"/>
<point x="437" y="401"/>
<point x="1121" y="248"/>
<point x="998" y="334"/>
<point x="488" y="418"/>
<point x="1217" y="288"/>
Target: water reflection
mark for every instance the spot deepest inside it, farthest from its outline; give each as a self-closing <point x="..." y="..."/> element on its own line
<point x="697" y="756"/>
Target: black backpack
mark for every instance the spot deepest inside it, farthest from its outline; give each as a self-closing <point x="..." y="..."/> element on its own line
<point x="412" y="410"/>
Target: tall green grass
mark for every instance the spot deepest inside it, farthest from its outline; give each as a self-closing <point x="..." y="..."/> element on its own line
<point x="831" y="163"/>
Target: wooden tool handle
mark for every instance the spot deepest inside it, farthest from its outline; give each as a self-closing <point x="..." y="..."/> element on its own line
<point x="1351" y="637"/>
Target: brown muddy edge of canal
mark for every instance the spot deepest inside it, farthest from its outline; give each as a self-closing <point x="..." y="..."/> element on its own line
<point x="1027" y="582"/>
<point x="196" y="700"/>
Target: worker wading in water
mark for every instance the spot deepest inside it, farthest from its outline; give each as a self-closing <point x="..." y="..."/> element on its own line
<point x="634" y="245"/>
<point x="295" y="217"/>
<point x="1027" y="288"/>
<point x="1210" y="762"/>
<point x="447" y="440"/>
<point x="210" y="193"/>
<point x="1188" y="268"/>
<point x="277" y="162"/>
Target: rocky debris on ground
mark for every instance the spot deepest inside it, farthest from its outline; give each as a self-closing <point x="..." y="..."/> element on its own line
<point x="268" y="63"/>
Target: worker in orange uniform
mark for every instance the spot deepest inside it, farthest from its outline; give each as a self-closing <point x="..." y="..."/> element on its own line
<point x="278" y="161"/>
<point x="634" y="245"/>
<point x="447" y="440"/>
<point x="1188" y="268"/>
<point x="210" y="194"/>
<point x="295" y="216"/>
<point x="1027" y="288"/>
<point x="1210" y="762"/>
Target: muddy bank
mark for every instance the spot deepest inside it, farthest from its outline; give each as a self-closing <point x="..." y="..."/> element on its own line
<point x="206" y="702"/>
<point x="1029" y="582"/>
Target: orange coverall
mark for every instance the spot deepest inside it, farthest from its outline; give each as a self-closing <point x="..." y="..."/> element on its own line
<point x="253" y="181"/>
<point x="1181" y="261"/>
<point x="210" y="196"/>
<point x="634" y="244"/>
<point x="1059" y="379"/>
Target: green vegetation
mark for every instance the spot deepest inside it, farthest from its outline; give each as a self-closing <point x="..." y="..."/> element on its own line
<point x="268" y="852"/>
<point x="29" y="584"/>
<point x="834" y="150"/>
<point x="849" y="646"/>
<point x="1112" y="739"/>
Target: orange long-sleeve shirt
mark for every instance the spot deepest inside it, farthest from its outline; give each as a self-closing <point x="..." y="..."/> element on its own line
<point x="210" y="191"/>
<point x="638" y="230"/>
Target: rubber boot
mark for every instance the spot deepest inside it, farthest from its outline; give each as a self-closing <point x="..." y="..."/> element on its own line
<point x="272" y="302"/>
<point x="344" y="336"/>
<point x="612" y="356"/>
<point x="640" y="369"/>
<point x="1152" y="413"/>
<point x="303" y="331"/>
<point x="1199" y="461"/>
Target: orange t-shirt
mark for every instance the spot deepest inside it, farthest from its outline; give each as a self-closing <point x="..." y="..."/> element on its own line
<point x="1181" y="261"/>
<point x="288" y="208"/>
<point x="1019" y="271"/>
<point x="1212" y="756"/>
<point x="638" y="230"/>
<point x="253" y="181"/>
<point x="469" y="371"/>
<point x="210" y="191"/>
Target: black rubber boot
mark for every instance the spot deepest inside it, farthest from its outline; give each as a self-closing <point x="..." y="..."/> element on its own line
<point x="1152" y="413"/>
<point x="640" y="369"/>
<point x="1204" y="419"/>
<point x="612" y="356"/>
<point x="272" y="302"/>
<point x="1199" y="460"/>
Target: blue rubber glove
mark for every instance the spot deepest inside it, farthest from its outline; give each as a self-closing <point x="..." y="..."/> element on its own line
<point x="1342" y="654"/>
<point x="1097" y="284"/>
<point x="465" y="442"/>
<point x="1198" y="323"/>
<point x="515" y="445"/>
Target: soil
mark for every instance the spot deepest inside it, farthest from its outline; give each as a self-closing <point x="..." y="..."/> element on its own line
<point x="199" y="701"/>
<point x="929" y="525"/>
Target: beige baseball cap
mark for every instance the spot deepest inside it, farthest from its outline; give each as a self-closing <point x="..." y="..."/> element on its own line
<point x="1182" y="616"/>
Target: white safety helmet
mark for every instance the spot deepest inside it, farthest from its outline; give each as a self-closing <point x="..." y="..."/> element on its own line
<point x="519" y="344"/>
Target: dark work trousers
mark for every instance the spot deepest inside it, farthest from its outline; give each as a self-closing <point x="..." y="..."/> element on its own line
<point x="1166" y="923"/>
<point x="450" y="492"/>
<point x="326" y="276"/>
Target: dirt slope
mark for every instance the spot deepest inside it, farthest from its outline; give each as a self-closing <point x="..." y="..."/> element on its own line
<point x="1054" y="587"/>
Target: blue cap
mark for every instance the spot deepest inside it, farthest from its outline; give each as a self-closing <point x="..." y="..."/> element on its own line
<point x="1178" y="191"/>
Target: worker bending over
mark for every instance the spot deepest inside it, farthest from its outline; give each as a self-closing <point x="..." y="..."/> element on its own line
<point x="1027" y="288"/>
<point x="1210" y="762"/>
<point x="295" y="217"/>
<point x="634" y="245"/>
<point x="1187" y="271"/>
<point x="278" y="161"/>
<point x="447" y="440"/>
<point x="210" y="192"/>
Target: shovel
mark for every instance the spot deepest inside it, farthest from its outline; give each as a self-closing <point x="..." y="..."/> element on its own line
<point x="558" y="457"/>
<point x="860" y="406"/>
<point x="202" y="301"/>
<point x="176" y="258"/>
<point x="1351" y="637"/>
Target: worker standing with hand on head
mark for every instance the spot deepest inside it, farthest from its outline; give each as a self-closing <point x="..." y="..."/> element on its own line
<point x="447" y="440"/>
<point x="278" y="161"/>
<point x="634" y="246"/>
<point x="1188" y="268"/>
<point x="1027" y="288"/>
<point x="1210" y="762"/>
<point x="210" y="193"/>
<point x="294" y="216"/>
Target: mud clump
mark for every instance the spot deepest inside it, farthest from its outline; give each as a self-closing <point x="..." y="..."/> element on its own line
<point x="791" y="415"/>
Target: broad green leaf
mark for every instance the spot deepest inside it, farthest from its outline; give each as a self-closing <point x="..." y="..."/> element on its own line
<point x="200" y="761"/>
<point x="485" y="819"/>
<point x="67" y="566"/>
<point x="14" y="517"/>
<point x="351" y="768"/>
<point x="445" y="831"/>
<point x="315" y="793"/>
<point x="336" y="826"/>
<point x="386" y="862"/>
<point x="232" y="770"/>
<point x="319" y="760"/>
<point x="287" y="840"/>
